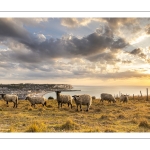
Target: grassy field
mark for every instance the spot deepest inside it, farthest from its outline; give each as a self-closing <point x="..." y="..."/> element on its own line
<point x="133" y="116"/>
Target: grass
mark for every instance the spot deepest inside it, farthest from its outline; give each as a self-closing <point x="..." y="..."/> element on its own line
<point x="133" y="116"/>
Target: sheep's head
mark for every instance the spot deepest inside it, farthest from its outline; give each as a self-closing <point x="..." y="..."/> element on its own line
<point x="75" y="97"/>
<point x="27" y="98"/>
<point x="3" y="95"/>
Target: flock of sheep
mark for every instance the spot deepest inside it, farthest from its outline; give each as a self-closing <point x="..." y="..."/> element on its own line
<point x="80" y="100"/>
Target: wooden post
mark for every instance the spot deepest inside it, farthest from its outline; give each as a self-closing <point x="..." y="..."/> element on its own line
<point x="133" y="96"/>
<point x="141" y="93"/>
<point x="147" y="94"/>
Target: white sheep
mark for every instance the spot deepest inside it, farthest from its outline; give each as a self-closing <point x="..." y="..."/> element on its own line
<point x="83" y="100"/>
<point x="63" y="99"/>
<point x="10" y="98"/>
<point x="124" y="98"/>
<point x="36" y="100"/>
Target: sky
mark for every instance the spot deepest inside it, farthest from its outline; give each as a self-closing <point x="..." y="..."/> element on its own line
<point x="77" y="51"/>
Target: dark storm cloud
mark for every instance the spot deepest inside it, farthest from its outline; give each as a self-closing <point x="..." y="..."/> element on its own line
<point x="7" y="65"/>
<point x="94" y="43"/>
<point x="11" y="29"/>
<point x="110" y="58"/>
<point x="138" y="52"/>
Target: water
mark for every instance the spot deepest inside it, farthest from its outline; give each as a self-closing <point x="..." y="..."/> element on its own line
<point x="97" y="90"/>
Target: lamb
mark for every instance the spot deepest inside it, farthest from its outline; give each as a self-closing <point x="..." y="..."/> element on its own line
<point x="83" y="100"/>
<point x="63" y="99"/>
<point x="10" y="98"/>
<point x="36" y="100"/>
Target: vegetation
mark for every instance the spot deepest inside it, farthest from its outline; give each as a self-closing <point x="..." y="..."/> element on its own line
<point x="50" y="97"/>
<point x="133" y="116"/>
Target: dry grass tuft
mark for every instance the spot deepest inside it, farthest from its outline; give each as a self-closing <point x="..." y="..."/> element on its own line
<point x="134" y="120"/>
<point x="36" y="127"/>
<point x="121" y="116"/>
<point x="144" y="123"/>
<point x="49" y="106"/>
<point x="69" y="125"/>
<point x="110" y="130"/>
<point x="103" y="117"/>
<point x="41" y="109"/>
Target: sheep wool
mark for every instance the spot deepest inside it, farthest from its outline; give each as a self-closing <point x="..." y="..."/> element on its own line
<point x="10" y="98"/>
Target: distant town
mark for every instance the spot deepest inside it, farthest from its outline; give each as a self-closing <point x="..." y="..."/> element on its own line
<point x="22" y="89"/>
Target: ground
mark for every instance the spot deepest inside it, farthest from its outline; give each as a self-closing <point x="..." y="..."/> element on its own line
<point x="133" y="116"/>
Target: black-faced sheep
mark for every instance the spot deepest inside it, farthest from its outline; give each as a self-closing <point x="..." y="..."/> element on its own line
<point x="63" y="99"/>
<point x="83" y="100"/>
<point x="107" y="97"/>
<point x="36" y="100"/>
<point x="10" y="98"/>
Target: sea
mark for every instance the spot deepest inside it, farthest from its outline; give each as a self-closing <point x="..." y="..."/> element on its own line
<point x="97" y="90"/>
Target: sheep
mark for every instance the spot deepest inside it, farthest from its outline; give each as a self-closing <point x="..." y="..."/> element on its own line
<point x="124" y="98"/>
<point x="10" y="98"/>
<point x="63" y="99"/>
<point x="107" y="97"/>
<point x="83" y="100"/>
<point x="36" y="100"/>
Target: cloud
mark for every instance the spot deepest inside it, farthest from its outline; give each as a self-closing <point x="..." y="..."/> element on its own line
<point x="147" y="29"/>
<point x="34" y="48"/>
<point x="109" y="58"/>
<point x="69" y="22"/>
<point x="11" y="29"/>
<point x="138" y="52"/>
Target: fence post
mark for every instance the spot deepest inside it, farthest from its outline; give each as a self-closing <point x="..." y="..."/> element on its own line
<point x="141" y="93"/>
<point x="147" y="94"/>
<point x="133" y="96"/>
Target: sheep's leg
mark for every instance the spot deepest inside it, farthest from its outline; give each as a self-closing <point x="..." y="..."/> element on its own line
<point x="77" y="107"/>
<point x="7" y="103"/>
<point x="45" y="103"/>
<point x="14" y="105"/>
<point x="61" y="105"/>
<point x="68" y="104"/>
<point x="80" y="108"/>
<point x="87" y="107"/>
<point x="71" y="106"/>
